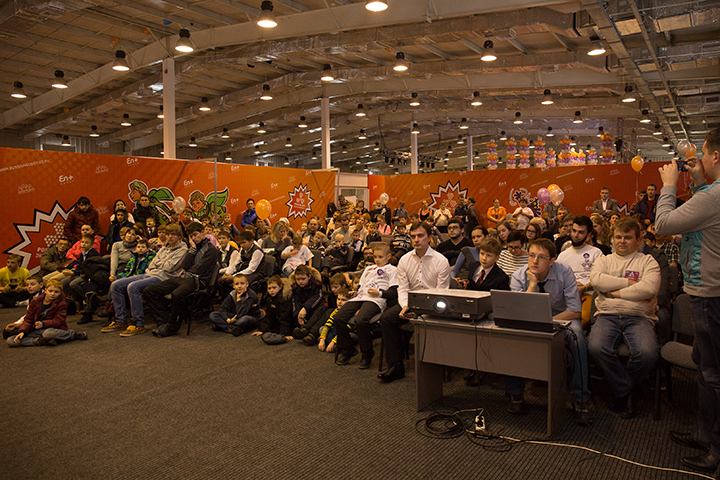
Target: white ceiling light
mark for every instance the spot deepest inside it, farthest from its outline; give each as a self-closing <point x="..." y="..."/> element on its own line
<point x="204" y="106"/>
<point x="59" y="81"/>
<point x="66" y="141"/>
<point x="362" y="135"/>
<point x="578" y="117"/>
<point x="303" y="123"/>
<point x="327" y="75"/>
<point x="415" y="130"/>
<point x="518" y="118"/>
<point x="228" y="157"/>
<point x="547" y="98"/>
<point x="666" y="142"/>
<point x="125" y="120"/>
<point x="463" y="124"/>
<point x="288" y="142"/>
<point x="257" y="150"/>
<point x="261" y="128"/>
<point x="225" y="133"/>
<point x="572" y="141"/>
<point x="377" y="146"/>
<point x="601" y="130"/>
<point x="476" y="99"/>
<point x="414" y="102"/>
<point x="503" y="136"/>
<point x="658" y="130"/>
<point x="94" y="131"/>
<point x="120" y="64"/>
<point x="449" y="150"/>
<point x="267" y="17"/>
<point x="596" y="49"/>
<point x="192" y="143"/>
<point x="314" y="155"/>
<point x="161" y="114"/>
<point x="266" y="93"/>
<point x="376" y="5"/>
<point x="361" y="110"/>
<point x="645" y="117"/>
<point x="549" y="132"/>
<point x="18" y="91"/>
<point x="401" y="65"/>
<point x="489" y="53"/>
<point x="183" y="44"/>
<point x="460" y="140"/>
<point x="629" y="95"/>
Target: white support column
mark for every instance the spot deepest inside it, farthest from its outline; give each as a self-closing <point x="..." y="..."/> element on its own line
<point x="413" y="152"/>
<point x="470" y="153"/>
<point x="325" y="138"/>
<point x="169" y="108"/>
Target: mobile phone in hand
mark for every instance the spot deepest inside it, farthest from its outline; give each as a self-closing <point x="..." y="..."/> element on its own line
<point x="682" y="167"/>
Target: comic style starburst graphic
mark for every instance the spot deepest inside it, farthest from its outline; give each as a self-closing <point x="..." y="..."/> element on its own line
<point x="44" y="231"/>
<point x="450" y="193"/>
<point x="300" y="201"/>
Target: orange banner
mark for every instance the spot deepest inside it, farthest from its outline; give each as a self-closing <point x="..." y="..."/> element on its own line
<point x="49" y="183"/>
<point x="580" y="184"/>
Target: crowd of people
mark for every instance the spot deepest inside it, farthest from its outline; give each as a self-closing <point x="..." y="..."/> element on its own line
<point x="610" y="276"/>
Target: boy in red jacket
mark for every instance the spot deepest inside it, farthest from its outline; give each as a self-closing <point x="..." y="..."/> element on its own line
<point x="44" y="322"/>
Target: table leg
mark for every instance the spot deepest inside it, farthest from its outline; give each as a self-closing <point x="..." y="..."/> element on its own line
<point x="556" y="385"/>
<point x="428" y="376"/>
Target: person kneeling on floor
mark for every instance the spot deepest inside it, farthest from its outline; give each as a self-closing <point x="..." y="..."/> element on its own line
<point x="240" y="311"/>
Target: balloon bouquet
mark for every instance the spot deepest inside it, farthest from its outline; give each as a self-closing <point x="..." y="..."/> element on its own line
<point x="492" y="157"/>
<point x="581" y="157"/>
<point x="606" y="154"/>
<point x="551" y="158"/>
<point x="511" y="151"/>
<point x="592" y="156"/>
<point x="540" y="154"/>
<point x="524" y="153"/>
<point x="564" y="156"/>
<point x="556" y="194"/>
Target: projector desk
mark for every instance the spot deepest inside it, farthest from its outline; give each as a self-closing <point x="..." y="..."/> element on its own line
<point x="521" y="353"/>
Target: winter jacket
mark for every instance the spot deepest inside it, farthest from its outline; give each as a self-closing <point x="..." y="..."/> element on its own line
<point x="50" y="261"/>
<point x="76" y="219"/>
<point x="166" y="263"/>
<point x="55" y="318"/>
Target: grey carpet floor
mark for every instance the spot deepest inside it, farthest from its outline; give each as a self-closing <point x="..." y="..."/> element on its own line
<point x="214" y="406"/>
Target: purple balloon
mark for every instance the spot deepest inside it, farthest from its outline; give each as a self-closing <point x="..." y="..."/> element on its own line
<point x="543" y="196"/>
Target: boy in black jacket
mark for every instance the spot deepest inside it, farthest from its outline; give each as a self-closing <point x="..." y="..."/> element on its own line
<point x="277" y="305"/>
<point x="240" y="311"/>
<point x="307" y="293"/>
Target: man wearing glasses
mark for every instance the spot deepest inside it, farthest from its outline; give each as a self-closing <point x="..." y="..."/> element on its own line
<point x="163" y="266"/>
<point x="544" y="274"/>
<point x="451" y="247"/>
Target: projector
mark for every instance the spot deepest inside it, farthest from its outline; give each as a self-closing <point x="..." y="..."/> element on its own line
<point x="467" y="305"/>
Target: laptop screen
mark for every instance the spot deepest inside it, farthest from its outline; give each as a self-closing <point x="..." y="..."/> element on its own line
<point x="526" y="306"/>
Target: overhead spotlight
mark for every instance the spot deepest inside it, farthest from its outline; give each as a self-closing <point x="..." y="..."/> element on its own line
<point x="518" y="118"/>
<point x="183" y="44"/>
<point x="475" y="102"/>
<point x="401" y="65"/>
<point x="658" y="130"/>
<point x="286" y="162"/>
<point x="266" y="93"/>
<point x="387" y="160"/>
<point x="449" y="150"/>
<point x="629" y="96"/>
<point x="125" y="120"/>
<point x="477" y="155"/>
<point x="344" y="149"/>
<point x="645" y="117"/>
<point x="162" y="152"/>
<point x="460" y="140"/>
<point x="532" y="144"/>
<point x="327" y="75"/>
<point x="18" y="91"/>
<point x="161" y="114"/>
<point x="463" y="124"/>
<point x="547" y="98"/>
<point x="303" y="123"/>
<point x="489" y="53"/>
<point x="192" y="143"/>
<point x="59" y="81"/>
<point x="66" y="141"/>
<point x="578" y="117"/>
<point x="376" y="5"/>
<point x="362" y="135"/>
<point x="288" y="142"/>
<point x="666" y="142"/>
<point x="572" y="141"/>
<point x="601" y="131"/>
<point x="414" y="102"/>
<point x="549" y="132"/>
<point x="257" y="149"/>
<point x="503" y="136"/>
<point x="267" y="17"/>
<point x="357" y="161"/>
<point x="415" y="130"/>
<point x="94" y="131"/>
<point x="361" y="111"/>
<point x="447" y="157"/>
<point x="225" y="133"/>
<point x="314" y="155"/>
<point x="432" y="165"/>
<point x="596" y="49"/>
<point x="377" y="146"/>
<point x="261" y="128"/>
<point x="204" y="106"/>
<point x="421" y="164"/>
<point x="120" y="64"/>
<point x="228" y="157"/>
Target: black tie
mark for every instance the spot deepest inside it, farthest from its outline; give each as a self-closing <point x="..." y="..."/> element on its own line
<point x="541" y="286"/>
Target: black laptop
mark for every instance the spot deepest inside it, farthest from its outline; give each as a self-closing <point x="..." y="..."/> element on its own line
<point x="523" y="310"/>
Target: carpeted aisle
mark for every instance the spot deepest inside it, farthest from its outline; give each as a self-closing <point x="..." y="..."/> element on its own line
<point x="214" y="406"/>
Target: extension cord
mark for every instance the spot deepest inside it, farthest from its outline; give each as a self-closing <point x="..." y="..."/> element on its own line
<point x="480" y="425"/>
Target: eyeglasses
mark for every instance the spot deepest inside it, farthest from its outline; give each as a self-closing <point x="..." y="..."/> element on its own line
<point x="542" y="258"/>
<point x="514" y="248"/>
<point x="454" y="227"/>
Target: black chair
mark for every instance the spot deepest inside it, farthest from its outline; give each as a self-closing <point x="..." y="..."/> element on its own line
<point x="407" y="332"/>
<point x="678" y="351"/>
<point x="316" y="260"/>
<point x="207" y="293"/>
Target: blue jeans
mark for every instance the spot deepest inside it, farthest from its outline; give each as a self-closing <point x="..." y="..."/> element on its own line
<point x="706" y="354"/>
<point x="246" y="322"/>
<point x="30" y="338"/>
<point x="638" y="334"/>
<point x="577" y="358"/>
<point x="133" y="286"/>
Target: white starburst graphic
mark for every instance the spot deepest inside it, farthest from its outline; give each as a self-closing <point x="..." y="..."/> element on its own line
<point x="300" y="201"/>
<point x="50" y="227"/>
<point x="450" y="193"/>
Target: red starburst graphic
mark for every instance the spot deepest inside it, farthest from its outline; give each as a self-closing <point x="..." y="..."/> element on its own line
<point x="300" y="201"/>
<point x="36" y="237"/>
<point x="450" y="193"/>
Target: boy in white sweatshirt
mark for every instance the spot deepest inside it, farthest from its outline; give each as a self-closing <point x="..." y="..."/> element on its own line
<point x="627" y="283"/>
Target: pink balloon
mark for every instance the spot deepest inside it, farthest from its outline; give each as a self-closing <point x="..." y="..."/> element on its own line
<point x="543" y="196"/>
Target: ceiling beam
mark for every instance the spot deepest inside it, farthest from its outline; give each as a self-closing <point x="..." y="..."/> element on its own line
<point x="439" y="53"/>
<point x="162" y="15"/>
<point x="200" y="11"/>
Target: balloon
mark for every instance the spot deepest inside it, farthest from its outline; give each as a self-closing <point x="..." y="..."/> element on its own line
<point x="263" y="208"/>
<point x="637" y="163"/>
<point x="383" y="198"/>
<point x="686" y="149"/>
<point x="179" y="204"/>
<point x="543" y="196"/>
<point x="557" y="196"/>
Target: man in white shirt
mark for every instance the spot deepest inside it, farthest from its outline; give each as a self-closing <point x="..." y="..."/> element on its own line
<point x="581" y="258"/>
<point x="422" y="268"/>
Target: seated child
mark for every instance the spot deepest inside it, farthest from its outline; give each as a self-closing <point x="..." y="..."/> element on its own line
<point x="45" y="321"/>
<point x="277" y="305"/>
<point x="356" y="242"/>
<point x="240" y="311"/>
<point x="307" y="293"/>
<point x="34" y="286"/>
<point x="295" y="255"/>
<point x="74" y="283"/>
<point x="485" y="274"/>
<point x="310" y="332"/>
<point x="328" y="339"/>
<point x="160" y="240"/>
<point x="229" y="226"/>
<point x="401" y="243"/>
<point x="336" y="256"/>
<point x="250" y="262"/>
<point x="227" y="254"/>
<point x="12" y="282"/>
<point x="368" y="259"/>
<point x="378" y="285"/>
<point x="139" y="261"/>
<point x="316" y="242"/>
<point x="373" y="235"/>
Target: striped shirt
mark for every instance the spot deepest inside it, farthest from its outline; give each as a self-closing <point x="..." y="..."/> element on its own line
<point x="509" y="263"/>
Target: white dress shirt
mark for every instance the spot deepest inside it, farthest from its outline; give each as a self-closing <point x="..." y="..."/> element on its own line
<point x="432" y="270"/>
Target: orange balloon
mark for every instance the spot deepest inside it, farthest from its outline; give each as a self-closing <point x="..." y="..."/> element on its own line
<point x="263" y="208"/>
<point x="637" y="163"/>
<point x="686" y="149"/>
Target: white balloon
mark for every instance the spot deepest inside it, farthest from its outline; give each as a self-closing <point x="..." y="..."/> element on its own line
<point x="384" y="198"/>
<point x="179" y="204"/>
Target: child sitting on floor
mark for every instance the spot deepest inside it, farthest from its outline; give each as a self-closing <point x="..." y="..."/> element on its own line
<point x="45" y="322"/>
<point x="34" y="287"/>
<point x="277" y="305"/>
<point x="244" y="306"/>
<point x="307" y="293"/>
<point x="310" y="332"/>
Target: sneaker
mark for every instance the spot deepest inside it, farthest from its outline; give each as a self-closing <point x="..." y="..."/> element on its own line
<point x="24" y="303"/>
<point x="517" y="404"/>
<point x="345" y="356"/>
<point x="582" y="414"/>
<point x="114" y="326"/>
<point x="132" y="330"/>
<point x="41" y="342"/>
<point x="80" y="335"/>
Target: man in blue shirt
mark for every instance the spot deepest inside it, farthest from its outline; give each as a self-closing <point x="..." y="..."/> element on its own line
<point x="544" y="274"/>
<point x="248" y="215"/>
